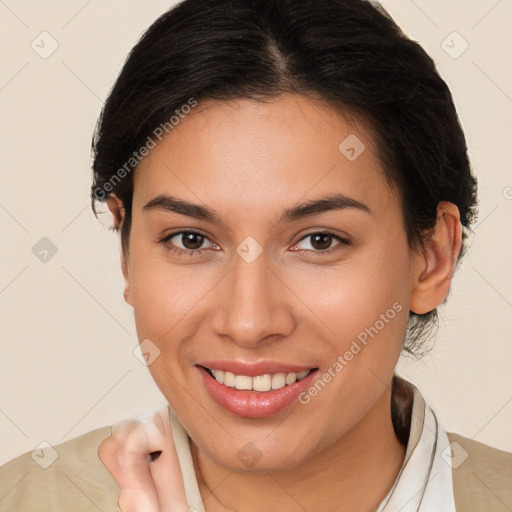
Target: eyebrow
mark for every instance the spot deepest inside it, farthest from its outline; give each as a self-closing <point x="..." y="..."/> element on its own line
<point x="331" y="202"/>
<point x="323" y="204"/>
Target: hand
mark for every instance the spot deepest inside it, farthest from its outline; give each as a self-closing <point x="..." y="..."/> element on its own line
<point x="148" y="484"/>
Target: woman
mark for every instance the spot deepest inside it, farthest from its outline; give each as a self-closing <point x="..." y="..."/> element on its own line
<point x="292" y="191"/>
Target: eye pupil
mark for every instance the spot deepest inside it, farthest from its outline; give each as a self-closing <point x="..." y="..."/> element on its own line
<point x="321" y="241"/>
<point x="192" y="240"/>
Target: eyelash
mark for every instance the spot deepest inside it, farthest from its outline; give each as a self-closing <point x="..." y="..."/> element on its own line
<point x="190" y="252"/>
<point x="177" y="250"/>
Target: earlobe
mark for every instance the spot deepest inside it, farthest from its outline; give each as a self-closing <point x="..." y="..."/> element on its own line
<point x="115" y="205"/>
<point x="435" y="265"/>
<point x="124" y="269"/>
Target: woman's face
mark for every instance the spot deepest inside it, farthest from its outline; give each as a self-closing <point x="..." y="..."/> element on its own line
<point x="258" y="285"/>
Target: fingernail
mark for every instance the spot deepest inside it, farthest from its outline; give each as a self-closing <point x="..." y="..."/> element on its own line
<point x="146" y="417"/>
<point x="154" y="419"/>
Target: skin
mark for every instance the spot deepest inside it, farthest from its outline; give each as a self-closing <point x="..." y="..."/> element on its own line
<point x="296" y="302"/>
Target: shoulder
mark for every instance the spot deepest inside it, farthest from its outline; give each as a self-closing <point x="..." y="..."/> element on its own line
<point x="66" y="476"/>
<point x="481" y="475"/>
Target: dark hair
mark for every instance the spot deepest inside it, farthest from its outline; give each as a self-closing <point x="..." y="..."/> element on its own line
<point x="348" y="53"/>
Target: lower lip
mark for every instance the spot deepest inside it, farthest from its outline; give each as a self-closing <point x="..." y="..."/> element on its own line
<point x="254" y="404"/>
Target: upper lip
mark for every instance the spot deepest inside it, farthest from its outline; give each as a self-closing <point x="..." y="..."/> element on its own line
<point x="255" y="368"/>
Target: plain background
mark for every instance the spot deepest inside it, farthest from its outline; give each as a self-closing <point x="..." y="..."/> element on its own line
<point x="67" y="364"/>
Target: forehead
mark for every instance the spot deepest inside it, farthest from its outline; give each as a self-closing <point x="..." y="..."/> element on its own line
<point x="249" y="154"/>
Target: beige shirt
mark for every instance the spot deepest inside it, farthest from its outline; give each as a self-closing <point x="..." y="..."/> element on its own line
<point x="441" y="472"/>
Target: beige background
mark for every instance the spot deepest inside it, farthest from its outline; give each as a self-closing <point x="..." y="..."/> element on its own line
<point x="67" y="363"/>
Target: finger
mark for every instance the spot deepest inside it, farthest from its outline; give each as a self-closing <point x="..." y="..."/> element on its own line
<point x="125" y="454"/>
<point x="109" y="449"/>
<point x="138" y="492"/>
<point x="166" y="469"/>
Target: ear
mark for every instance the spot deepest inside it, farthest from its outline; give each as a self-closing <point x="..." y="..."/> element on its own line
<point x="435" y="264"/>
<point x="115" y="205"/>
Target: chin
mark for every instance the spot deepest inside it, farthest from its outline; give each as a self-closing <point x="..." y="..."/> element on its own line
<point x="250" y="459"/>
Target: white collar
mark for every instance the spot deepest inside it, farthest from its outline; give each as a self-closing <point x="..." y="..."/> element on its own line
<point x="424" y="483"/>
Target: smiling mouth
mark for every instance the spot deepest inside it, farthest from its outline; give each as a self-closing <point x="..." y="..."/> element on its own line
<point x="261" y="383"/>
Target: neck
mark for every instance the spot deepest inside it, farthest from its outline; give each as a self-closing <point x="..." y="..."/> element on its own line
<point x="354" y="474"/>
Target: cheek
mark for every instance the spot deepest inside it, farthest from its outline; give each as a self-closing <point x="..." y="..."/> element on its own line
<point x="367" y="292"/>
<point x="363" y="308"/>
<point x="166" y="297"/>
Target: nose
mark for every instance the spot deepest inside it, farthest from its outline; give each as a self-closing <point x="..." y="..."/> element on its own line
<point x="253" y="306"/>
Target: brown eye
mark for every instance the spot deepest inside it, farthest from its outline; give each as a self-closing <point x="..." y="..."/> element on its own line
<point x="187" y="242"/>
<point x="321" y="241"/>
<point x="192" y="241"/>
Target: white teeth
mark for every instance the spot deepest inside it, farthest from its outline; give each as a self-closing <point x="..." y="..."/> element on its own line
<point x="290" y="378"/>
<point x="301" y="375"/>
<point x="260" y="383"/>
<point x="243" y="382"/>
<point x="278" y="380"/>
<point x="229" y="379"/>
<point x="218" y="375"/>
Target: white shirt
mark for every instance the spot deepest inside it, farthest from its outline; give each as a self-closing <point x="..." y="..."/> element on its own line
<point x="424" y="482"/>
